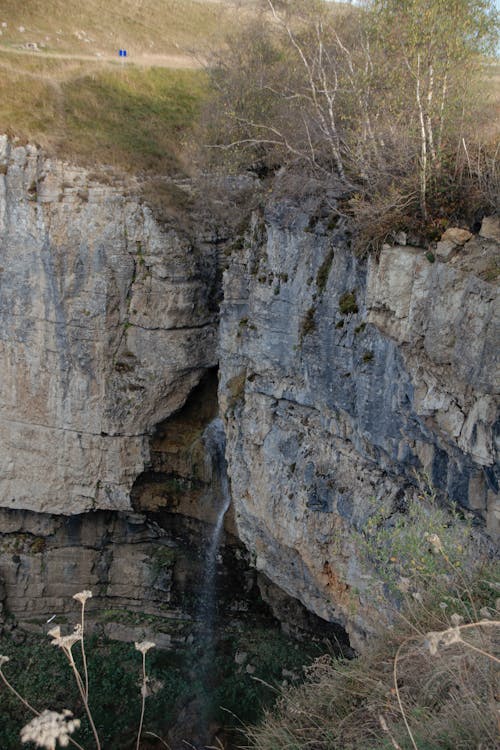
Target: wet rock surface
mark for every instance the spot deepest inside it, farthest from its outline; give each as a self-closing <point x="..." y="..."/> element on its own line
<point x="145" y="577"/>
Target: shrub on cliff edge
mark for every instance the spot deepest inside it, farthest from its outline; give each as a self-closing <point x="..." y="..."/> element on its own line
<point x="391" y="97"/>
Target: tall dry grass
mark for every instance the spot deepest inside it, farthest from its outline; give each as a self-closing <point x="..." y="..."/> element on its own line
<point x="428" y="683"/>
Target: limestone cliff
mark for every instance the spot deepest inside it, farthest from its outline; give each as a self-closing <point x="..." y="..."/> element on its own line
<point x="107" y="322"/>
<point x="339" y="379"/>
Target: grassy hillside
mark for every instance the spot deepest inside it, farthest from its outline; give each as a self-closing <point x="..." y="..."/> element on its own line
<point x="90" y="27"/>
<point x="134" y="119"/>
<point x="71" y="94"/>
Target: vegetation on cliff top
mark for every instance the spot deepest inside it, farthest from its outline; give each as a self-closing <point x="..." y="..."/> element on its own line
<point x="62" y="85"/>
<point x="134" y="120"/>
<point x="144" y="27"/>
<point x="394" y="98"/>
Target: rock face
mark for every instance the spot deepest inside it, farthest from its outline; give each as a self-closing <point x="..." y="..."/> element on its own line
<point x="145" y="579"/>
<point x="107" y="322"/>
<point x="339" y="379"/>
<point x="340" y="382"/>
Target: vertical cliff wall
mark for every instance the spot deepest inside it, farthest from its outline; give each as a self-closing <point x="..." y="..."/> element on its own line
<point x="341" y="382"/>
<point x="344" y="384"/>
<point x="107" y="322"/>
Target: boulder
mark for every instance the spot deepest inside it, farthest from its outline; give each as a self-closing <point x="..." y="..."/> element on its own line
<point x="490" y="228"/>
<point x="456" y="235"/>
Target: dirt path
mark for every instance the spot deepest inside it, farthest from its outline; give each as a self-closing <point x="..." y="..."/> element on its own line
<point x="178" y="61"/>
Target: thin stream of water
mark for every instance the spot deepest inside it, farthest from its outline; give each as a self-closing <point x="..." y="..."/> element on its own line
<point x="215" y="443"/>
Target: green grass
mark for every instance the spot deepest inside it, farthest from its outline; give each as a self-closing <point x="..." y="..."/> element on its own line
<point x="227" y="694"/>
<point x="136" y="119"/>
<point x="433" y="569"/>
<point x="447" y="697"/>
<point x="91" y="110"/>
<point x="133" y="119"/>
<point x="41" y="674"/>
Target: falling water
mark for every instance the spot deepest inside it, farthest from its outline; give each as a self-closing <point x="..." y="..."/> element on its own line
<point x="215" y="443"/>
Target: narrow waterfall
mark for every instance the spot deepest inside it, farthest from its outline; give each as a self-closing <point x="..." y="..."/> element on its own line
<point x="215" y="443"/>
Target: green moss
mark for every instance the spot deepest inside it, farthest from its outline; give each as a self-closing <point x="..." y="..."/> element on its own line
<point x="269" y="652"/>
<point x="308" y="324"/>
<point x="122" y="366"/>
<point x="348" y="304"/>
<point x="491" y="274"/>
<point x="339" y="324"/>
<point x="163" y="557"/>
<point x="360" y="328"/>
<point x="238" y="244"/>
<point x="313" y="220"/>
<point x="140" y="253"/>
<point x="38" y="544"/>
<point x="367" y="356"/>
<point x="324" y="271"/>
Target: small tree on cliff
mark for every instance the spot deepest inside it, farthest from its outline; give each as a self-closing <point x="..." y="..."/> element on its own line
<point x="435" y="52"/>
<point x="380" y="96"/>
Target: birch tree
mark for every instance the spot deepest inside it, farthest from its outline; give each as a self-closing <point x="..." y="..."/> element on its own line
<point x="377" y="95"/>
<point x="435" y="50"/>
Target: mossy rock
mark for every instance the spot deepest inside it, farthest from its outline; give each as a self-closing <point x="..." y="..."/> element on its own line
<point x="348" y="304"/>
<point x="324" y="271"/>
<point x="308" y="323"/>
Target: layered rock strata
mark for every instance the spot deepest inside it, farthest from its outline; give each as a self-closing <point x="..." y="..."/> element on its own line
<point x="145" y="579"/>
<point x="107" y="322"/>
<point x="341" y="382"/>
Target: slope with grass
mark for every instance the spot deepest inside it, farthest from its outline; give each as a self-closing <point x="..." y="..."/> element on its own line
<point x="61" y="83"/>
<point x="135" y="119"/>
<point x="142" y="26"/>
<point x="428" y="684"/>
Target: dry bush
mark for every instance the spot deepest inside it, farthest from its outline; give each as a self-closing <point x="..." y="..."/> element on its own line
<point x="428" y="684"/>
<point x="373" y="96"/>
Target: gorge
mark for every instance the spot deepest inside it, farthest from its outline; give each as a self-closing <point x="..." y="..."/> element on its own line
<point x="344" y="387"/>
